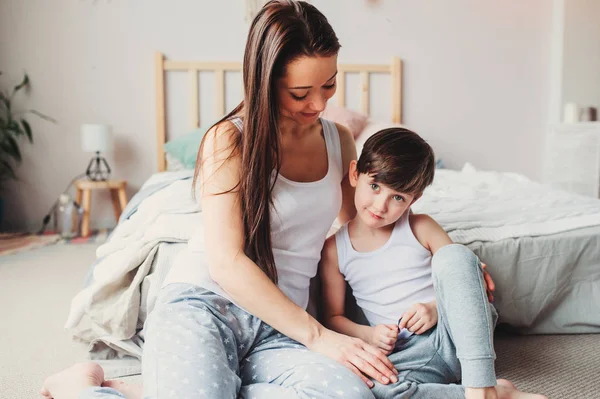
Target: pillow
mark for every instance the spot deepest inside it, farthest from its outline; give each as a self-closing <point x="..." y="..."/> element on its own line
<point x="182" y="151"/>
<point x="353" y="120"/>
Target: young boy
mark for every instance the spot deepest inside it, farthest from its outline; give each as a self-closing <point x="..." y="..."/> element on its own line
<point x="423" y="296"/>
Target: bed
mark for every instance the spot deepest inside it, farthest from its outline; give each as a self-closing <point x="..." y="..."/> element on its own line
<point x="546" y="265"/>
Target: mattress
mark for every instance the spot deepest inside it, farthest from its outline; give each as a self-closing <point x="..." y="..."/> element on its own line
<point x="546" y="284"/>
<point x="542" y="245"/>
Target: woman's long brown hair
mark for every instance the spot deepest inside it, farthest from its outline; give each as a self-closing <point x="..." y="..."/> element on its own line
<point x="283" y="31"/>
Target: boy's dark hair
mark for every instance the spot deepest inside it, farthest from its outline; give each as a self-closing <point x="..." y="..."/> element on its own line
<point x="400" y="159"/>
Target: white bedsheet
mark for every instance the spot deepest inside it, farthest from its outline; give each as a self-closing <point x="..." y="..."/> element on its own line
<point x="490" y="206"/>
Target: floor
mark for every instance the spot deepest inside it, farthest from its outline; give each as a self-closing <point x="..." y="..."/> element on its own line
<point x="36" y="288"/>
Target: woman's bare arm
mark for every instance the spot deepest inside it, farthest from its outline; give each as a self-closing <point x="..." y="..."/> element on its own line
<point x="246" y="283"/>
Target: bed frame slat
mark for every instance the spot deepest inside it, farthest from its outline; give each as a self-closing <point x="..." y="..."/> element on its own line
<point x="341" y="88"/>
<point x="194" y="99"/>
<point x="365" y="91"/>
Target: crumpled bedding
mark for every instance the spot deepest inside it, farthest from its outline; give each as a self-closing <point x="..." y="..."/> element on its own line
<point x="476" y="205"/>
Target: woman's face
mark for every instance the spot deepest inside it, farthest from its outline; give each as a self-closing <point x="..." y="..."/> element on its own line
<point x="306" y="86"/>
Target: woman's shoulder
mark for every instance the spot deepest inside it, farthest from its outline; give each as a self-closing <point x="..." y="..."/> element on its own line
<point x="343" y="132"/>
<point x="223" y="136"/>
<point x="347" y="145"/>
<point x="226" y="131"/>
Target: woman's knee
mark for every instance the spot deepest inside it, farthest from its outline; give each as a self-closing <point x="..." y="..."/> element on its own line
<point x="331" y="381"/>
<point x="183" y="323"/>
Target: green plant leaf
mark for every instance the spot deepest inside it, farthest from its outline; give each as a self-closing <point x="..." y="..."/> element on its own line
<point x="13" y="126"/>
<point x="27" y="130"/>
<point x="44" y="117"/>
<point x="7" y="171"/>
<point x="11" y="147"/>
<point x="24" y="83"/>
<point x="6" y="101"/>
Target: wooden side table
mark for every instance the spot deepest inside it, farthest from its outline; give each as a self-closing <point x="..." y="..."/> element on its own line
<point x="84" y="198"/>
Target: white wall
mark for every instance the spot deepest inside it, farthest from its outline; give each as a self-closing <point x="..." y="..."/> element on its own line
<point x="476" y="77"/>
<point x="581" y="65"/>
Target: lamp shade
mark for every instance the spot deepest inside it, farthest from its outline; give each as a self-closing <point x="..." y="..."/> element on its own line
<point x="96" y="138"/>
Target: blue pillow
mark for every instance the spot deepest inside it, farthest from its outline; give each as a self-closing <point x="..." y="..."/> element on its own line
<point x="185" y="148"/>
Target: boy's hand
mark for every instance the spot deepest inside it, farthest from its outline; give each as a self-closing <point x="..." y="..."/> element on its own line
<point x="383" y="336"/>
<point x="420" y="317"/>
<point x="490" y="287"/>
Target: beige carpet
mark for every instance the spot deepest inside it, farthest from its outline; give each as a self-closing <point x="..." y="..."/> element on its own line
<point x="559" y="366"/>
<point x="36" y="288"/>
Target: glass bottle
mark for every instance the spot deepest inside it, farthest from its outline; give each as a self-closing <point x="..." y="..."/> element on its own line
<point x="67" y="217"/>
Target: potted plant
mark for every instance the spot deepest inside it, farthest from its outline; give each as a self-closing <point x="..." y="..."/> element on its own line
<point x="14" y="128"/>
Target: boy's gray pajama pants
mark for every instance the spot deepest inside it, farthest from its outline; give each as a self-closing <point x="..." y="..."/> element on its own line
<point x="200" y="345"/>
<point x="459" y="347"/>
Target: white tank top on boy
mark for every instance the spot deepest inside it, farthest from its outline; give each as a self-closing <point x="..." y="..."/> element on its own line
<point x="386" y="282"/>
<point x="301" y="216"/>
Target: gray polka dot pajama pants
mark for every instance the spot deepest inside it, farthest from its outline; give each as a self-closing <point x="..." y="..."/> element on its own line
<point x="200" y="345"/>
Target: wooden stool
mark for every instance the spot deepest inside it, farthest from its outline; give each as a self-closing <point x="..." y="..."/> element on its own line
<point x="84" y="198"/>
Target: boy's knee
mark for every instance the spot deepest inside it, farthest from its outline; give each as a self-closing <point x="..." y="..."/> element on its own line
<point x="454" y="258"/>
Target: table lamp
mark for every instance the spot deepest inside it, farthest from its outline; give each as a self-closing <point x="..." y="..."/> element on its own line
<point x="96" y="138"/>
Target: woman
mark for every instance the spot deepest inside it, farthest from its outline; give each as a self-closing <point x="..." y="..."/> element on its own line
<point x="231" y="318"/>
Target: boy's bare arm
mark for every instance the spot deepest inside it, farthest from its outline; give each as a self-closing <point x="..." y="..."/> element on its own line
<point x="333" y="288"/>
<point x="431" y="235"/>
<point x="428" y="232"/>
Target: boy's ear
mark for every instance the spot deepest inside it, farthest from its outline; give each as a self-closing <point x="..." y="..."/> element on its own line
<point x="353" y="173"/>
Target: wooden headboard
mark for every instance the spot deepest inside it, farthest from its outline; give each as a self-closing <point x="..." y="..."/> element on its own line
<point x="193" y="68"/>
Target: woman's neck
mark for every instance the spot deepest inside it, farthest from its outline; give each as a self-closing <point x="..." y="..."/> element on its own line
<point x="290" y="128"/>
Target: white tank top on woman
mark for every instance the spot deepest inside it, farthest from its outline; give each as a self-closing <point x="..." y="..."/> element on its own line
<point x="389" y="280"/>
<point x="301" y="216"/>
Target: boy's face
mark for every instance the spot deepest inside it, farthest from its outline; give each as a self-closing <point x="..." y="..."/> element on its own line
<point x="377" y="204"/>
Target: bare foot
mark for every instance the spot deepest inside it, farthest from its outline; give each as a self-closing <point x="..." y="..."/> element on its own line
<point x="69" y="383"/>
<point x="504" y="390"/>
<point x="131" y="391"/>
<point x="507" y="390"/>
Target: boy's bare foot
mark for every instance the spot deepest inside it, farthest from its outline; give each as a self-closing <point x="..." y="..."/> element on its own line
<point x="507" y="390"/>
<point x="504" y="390"/>
<point x="131" y="391"/>
<point x="69" y="383"/>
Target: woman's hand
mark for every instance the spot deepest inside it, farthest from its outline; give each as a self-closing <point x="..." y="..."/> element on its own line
<point x="354" y="353"/>
<point x="383" y="336"/>
<point x="490" y="287"/>
<point x="420" y="317"/>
